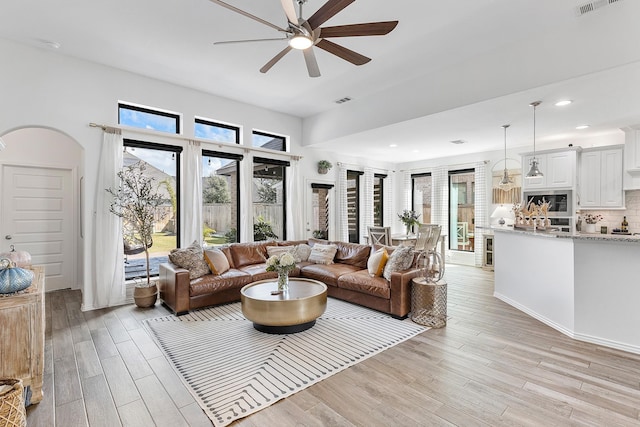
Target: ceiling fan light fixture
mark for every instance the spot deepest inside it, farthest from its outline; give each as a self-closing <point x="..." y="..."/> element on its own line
<point x="300" y="42"/>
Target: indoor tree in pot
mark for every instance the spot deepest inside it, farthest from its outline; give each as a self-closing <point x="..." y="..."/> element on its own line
<point x="136" y="200"/>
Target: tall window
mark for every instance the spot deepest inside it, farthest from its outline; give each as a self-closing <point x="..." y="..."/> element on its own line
<point x="353" y="205"/>
<point x="216" y="131"/>
<point x="378" y="200"/>
<point x="162" y="164"/>
<point x="148" y="118"/>
<point x="269" y="199"/>
<point x="272" y="142"/>
<point x="320" y="205"/>
<point x="220" y="197"/>
<point x="461" y="209"/>
<point x="421" y="190"/>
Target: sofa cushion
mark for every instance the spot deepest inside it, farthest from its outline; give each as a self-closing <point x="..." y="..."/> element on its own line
<point x="210" y="284"/>
<point x="191" y="258"/>
<point x="249" y="253"/>
<point x="376" y="262"/>
<point x="352" y="254"/>
<point x="217" y="261"/>
<point x="277" y="250"/>
<point x="361" y="281"/>
<point x="327" y="274"/>
<point x="400" y="260"/>
<point x="322" y="254"/>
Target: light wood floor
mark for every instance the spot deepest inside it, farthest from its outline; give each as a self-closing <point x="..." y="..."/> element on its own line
<point x="491" y="365"/>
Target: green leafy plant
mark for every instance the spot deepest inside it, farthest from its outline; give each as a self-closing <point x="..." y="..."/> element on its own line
<point x="136" y="200"/>
<point x="324" y="164"/>
<point x="409" y="218"/>
<point x="231" y="236"/>
<point x="262" y="230"/>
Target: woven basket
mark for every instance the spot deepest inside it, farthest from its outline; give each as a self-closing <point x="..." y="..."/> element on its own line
<point x="12" y="411"/>
<point x="145" y="297"/>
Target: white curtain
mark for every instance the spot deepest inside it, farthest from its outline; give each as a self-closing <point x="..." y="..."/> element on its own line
<point x="481" y="208"/>
<point x="107" y="288"/>
<point x="342" y="233"/>
<point x="246" y="202"/>
<point x="295" y="203"/>
<point x="389" y="215"/>
<point x="367" y="212"/>
<point x="440" y="199"/>
<point x="192" y="217"/>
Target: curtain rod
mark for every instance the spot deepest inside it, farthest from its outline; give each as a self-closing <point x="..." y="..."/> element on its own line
<point x="449" y="167"/>
<point x="106" y="128"/>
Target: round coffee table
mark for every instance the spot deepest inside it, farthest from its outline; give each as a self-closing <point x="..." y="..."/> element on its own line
<point x="285" y="313"/>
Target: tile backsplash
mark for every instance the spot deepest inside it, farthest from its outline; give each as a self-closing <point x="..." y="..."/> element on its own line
<point x="613" y="218"/>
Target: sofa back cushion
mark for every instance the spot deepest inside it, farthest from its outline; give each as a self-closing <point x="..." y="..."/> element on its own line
<point x="352" y="254"/>
<point x="249" y="253"/>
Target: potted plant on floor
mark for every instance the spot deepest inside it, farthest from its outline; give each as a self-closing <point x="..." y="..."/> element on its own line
<point x="136" y="200"/>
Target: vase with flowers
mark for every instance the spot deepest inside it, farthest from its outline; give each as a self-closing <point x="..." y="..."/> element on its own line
<point x="409" y="218"/>
<point x="282" y="264"/>
<point x="590" y="222"/>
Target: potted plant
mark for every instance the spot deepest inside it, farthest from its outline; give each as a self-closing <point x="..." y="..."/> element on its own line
<point x="591" y="220"/>
<point x="324" y="166"/>
<point x="136" y="200"/>
<point x="409" y="219"/>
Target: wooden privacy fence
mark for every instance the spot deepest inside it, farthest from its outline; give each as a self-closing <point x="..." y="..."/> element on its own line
<point x="218" y="216"/>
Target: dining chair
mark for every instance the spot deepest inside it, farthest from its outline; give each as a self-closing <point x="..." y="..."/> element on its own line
<point x="426" y="243"/>
<point x="379" y="235"/>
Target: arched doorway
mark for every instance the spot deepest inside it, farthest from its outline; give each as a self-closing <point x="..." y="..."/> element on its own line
<point x="40" y="172"/>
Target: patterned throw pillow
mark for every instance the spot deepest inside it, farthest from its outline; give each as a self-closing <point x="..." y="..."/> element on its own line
<point x="191" y="258"/>
<point x="217" y="261"/>
<point x="323" y="254"/>
<point x="377" y="261"/>
<point x="302" y="252"/>
<point x="401" y="259"/>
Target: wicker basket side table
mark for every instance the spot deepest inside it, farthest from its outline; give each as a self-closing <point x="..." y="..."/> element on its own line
<point x="429" y="302"/>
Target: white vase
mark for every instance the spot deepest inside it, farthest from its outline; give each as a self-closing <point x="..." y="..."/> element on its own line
<point x="589" y="228"/>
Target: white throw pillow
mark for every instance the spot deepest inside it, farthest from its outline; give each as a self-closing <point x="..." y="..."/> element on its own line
<point x="401" y="259"/>
<point x="377" y="262"/>
<point x="302" y="252"/>
<point x="323" y="254"/>
<point x="277" y="250"/>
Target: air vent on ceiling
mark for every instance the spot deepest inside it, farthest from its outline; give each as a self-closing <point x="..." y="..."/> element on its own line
<point x="593" y="5"/>
<point x="343" y="100"/>
<point x="458" y="141"/>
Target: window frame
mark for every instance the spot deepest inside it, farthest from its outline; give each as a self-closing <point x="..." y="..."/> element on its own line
<point x="453" y="236"/>
<point x="382" y="177"/>
<point x="153" y="111"/>
<point x="206" y="122"/>
<point x="285" y="145"/>
<point x="357" y="175"/>
<point x="285" y="164"/>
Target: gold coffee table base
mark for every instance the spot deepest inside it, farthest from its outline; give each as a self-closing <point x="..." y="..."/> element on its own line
<point x="285" y="313"/>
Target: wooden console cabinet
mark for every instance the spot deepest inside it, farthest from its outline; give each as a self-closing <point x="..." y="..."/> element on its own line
<point x="22" y="335"/>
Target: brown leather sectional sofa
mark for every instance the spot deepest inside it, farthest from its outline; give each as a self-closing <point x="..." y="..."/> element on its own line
<point x="347" y="279"/>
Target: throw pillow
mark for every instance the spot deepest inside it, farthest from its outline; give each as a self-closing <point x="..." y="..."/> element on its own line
<point x="191" y="258"/>
<point x="377" y="261"/>
<point x="217" y="261"/>
<point x="277" y="250"/>
<point x="323" y="254"/>
<point x="301" y="252"/>
<point x="401" y="259"/>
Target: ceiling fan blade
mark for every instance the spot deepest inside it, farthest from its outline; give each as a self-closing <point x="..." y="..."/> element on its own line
<point x="247" y="14"/>
<point x="248" y="41"/>
<point x="312" y="64"/>
<point x="275" y="59"/>
<point x="344" y="53"/>
<point x="327" y="11"/>
<point x="354" y="30"/>
<point x="290" y="11"/>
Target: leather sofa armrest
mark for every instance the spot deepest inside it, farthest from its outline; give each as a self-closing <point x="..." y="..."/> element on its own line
<point x="401" y="291"/>
<point x="173" y="285"/>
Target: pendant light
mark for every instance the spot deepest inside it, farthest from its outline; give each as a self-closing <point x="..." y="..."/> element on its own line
<point x="506" y="183"/>
<point x="534" y="172"/>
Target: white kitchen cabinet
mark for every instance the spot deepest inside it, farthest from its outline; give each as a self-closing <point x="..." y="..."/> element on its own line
<point x="601" y="172"/>
<point x="558" y="169"/>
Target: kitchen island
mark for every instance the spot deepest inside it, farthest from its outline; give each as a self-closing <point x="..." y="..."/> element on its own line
<point x="584" y="285"/>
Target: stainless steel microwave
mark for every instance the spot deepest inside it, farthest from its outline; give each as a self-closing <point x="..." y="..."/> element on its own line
<point x="560" y="201"/>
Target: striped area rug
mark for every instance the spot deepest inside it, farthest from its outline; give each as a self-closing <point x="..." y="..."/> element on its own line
<point x="232" y="370"/>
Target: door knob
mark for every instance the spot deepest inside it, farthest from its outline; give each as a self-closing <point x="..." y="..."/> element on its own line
<point x="8" y="237"/>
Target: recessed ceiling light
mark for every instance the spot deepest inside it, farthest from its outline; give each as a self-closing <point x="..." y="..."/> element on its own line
<point x="563" y="103"/>
<point x="582" y="127"/>
<point x="458" y="141"/>
<point x="393" y="145"/>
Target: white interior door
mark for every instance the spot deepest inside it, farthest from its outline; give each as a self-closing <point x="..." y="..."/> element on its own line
<point x="38" y="217"/>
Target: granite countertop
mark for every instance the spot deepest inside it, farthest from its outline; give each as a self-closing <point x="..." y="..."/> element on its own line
<point x="574" y="236"/>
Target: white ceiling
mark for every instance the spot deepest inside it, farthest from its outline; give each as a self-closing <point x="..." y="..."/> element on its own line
<point x="454" y="69"/>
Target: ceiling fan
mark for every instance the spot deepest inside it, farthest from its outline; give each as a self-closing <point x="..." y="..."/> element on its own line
<point x="303" y="34"/>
